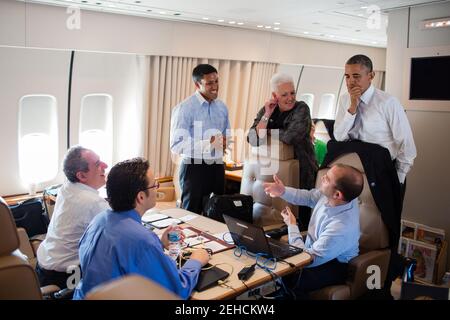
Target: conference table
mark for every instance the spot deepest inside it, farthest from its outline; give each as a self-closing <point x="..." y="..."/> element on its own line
<point x="229" y="262"/>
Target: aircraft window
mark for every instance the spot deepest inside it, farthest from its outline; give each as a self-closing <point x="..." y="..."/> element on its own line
<point x="38" y="139"/>
<point x="327" y="106"/>
<point x="96" y="127"/>
<point x="308" y="98"/>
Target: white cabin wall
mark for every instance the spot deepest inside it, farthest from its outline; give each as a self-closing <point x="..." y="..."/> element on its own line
<point x="24" y="72"/>
<point x="427" y="198"/>
<point x="34" y="25"/>
<point x="120" y="76"/>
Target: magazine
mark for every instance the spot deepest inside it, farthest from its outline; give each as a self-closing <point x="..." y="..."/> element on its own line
<point x="425" y="255"/>
<point x="408" y="229"/>
<point x="430" y="235"/>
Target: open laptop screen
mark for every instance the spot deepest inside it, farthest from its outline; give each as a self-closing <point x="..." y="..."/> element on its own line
<point x="247" y="235"/>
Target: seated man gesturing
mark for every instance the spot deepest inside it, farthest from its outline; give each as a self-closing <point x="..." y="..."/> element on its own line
<point x="333" y="231"/>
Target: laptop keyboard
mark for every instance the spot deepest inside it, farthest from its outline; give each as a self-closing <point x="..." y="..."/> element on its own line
<point x="283" y="250"/>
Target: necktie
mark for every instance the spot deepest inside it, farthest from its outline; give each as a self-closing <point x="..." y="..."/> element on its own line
<point x="357" y="125"/>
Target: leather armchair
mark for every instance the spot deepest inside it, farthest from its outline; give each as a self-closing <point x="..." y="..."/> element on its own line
<point x="18" y="280"/>
<point x="373" y="244"/>
<point x="266" y="210"/>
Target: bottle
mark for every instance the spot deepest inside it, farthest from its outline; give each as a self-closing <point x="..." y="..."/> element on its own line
<point x="174" y="243"/>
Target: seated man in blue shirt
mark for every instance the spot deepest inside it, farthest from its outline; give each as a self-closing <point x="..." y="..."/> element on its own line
<point x="115" y="242"/>
<point x="333" y="231"/>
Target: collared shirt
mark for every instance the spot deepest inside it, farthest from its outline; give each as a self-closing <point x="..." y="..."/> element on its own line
<point x="194" y="121"/>
<point x="75" y="207"/>
<point x="333" y="232"/>
<point x="116" y="244"/>
<point x="384" y="122"/>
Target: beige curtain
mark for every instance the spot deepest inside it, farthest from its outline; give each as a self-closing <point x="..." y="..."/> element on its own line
<point x="244" y="86"/>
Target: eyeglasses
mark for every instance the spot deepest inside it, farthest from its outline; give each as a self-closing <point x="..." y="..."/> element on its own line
<point x="155" y="186"/>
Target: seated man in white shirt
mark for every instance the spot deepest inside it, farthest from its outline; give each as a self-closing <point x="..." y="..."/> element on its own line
<point x="77" y="203"/>
<point x="368" y="114"/>
<point x="333" y="231"/>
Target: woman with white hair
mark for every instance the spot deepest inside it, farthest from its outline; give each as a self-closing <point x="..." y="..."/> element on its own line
<point x="293" y="120"/>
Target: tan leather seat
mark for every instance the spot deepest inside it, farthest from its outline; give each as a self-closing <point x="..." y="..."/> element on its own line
<point x="373" y="243"/>
<point x="266" y="210"/>
<point x="17" y="277"/>
<point x="131" y="287"/>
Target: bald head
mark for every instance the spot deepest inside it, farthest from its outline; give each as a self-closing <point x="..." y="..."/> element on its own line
<point x="349" y="181"/>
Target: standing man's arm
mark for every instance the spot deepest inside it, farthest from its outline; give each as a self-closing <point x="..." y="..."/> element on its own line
<point x="345" y="118"/>
<point x="403" y="137"/>
<point x="226" y="132"/>
<point x="181" y="141"/>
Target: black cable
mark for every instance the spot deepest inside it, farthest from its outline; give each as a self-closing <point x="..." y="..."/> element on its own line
<point x="243" y="282"/>
<point x="287" y="262"/>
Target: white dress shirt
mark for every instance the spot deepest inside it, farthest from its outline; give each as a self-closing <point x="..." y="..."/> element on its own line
<point x="76" y="205"/>
<point x="333" y="232"/>
<point x="383" y="122"/>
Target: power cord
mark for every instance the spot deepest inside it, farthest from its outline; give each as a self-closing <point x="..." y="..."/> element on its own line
<point x="287" y="262"/>
<point x="223" y="284"/>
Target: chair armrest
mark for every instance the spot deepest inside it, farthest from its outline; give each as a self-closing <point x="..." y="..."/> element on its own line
<point x="24" y="243"/>
<point x="359" y="272"/>
<point x="338" y="292"/>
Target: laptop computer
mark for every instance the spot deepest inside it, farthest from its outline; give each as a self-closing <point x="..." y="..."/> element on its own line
<point x="255" y="240"/>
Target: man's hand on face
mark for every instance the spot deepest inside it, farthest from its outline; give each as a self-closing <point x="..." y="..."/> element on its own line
<point x="355" y="96"/>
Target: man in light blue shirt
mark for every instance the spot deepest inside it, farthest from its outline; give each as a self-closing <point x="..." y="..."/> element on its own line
<point x="198" y="135"/>
<point x="333" y="231"/>
<point x="115" y="242"/>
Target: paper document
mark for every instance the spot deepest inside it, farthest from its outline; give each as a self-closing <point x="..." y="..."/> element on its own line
<point x="165" y="223"/>
<point x="189" y="233"/>
<point x="188" y="217"/>
<point x="213" y="245"/>
<point x="150" y="217"/>
<point x="195" y="241"/>
<point x="225" y="236"/>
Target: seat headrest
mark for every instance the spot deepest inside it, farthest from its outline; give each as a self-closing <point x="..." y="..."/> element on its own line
<point x="131" y="287"/>
<point x="350" y="159"/>
<point x="9" y="240"/>
<point x="274" y="150"/>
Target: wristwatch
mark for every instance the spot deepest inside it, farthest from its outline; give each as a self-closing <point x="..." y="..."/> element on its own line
<point x="264" y="118"/>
